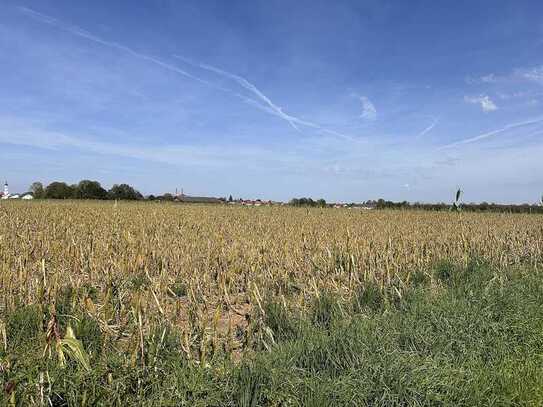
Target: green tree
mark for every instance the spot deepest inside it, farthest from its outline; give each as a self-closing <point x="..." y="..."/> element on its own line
<point x="58" y="190"/>
<point x="37" y="190"/>
<point x="87" y="189"/>
<point x="307" y="202"/>
<point x="321" y="202"/>
<point x="167" y="197"/>
<point x="124" y="192"/>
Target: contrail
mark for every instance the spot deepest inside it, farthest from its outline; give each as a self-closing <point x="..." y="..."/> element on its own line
<point x="429" y="128"/>
<point x="244" y="83"/>
<point x="89" y="36"/>
<point x="252" y="88"/>
<point x="263" y="102"/>
<point x="492" y="133"/>
<point x="85" y="34"/>
<point x="267" y="104"/>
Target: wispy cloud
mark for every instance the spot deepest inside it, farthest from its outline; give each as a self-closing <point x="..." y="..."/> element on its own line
<point x="369" y="112"/>
<point x="493" y="133"/>
<point x="534" y="74"/>
<point x="429" y="128"/>
<point x="26" y="133"/>
<point x="261" y="102"/>
<point x="245" y="84"/>
<point x="522" y="74"/>
<point x="518" y="95"/>
<point x="484" y="101"/>
<point x="490" y="78"/>
<point x="264" y="102"/>
<point x="313" y="156"/>
<point x="447" y="161"/>
<point x="75" y="30"/>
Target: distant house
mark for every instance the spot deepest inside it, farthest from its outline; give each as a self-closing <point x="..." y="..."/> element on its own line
<point x="258" y="202"/>
<point x="197" y="199"/>
<point x="6" y="195"/>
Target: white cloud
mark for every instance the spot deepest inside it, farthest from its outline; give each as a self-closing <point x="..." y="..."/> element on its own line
<point x="533" y="74"/>
<point x="25" y="133"/>
<point x="516" y="95"/>
<point x="369" y="112"/>
<point x="486" y="103"/>
<point x="490" y="78"/>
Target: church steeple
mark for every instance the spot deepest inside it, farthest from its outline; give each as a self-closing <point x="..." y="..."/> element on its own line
<point x="6" y="189"/>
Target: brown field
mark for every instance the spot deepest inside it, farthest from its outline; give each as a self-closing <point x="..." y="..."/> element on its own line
<point x="206" y="270"/>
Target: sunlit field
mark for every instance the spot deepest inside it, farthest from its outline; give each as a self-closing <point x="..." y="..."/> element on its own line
<point x="208" y="304"/>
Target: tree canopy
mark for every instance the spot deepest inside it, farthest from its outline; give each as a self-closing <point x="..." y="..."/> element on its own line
<point x="307" y="202"/>
<point x="59" y="190"/>
<point x="37" y="190"/>
<point x="124" y="192"/>
<point x="87" y="189"/>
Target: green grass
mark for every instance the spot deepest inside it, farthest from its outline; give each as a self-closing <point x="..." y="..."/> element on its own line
<point x="458" y="337"/>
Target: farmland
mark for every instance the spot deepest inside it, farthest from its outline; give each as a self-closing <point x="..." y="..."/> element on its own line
<point x="205" y="305"/>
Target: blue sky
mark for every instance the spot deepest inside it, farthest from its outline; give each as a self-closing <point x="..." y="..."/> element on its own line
<point x="346" y="100"/>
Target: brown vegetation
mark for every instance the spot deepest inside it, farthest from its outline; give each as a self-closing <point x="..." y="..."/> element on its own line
<point x="205" y="270"/>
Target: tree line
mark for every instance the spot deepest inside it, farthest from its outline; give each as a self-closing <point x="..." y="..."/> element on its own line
<point x="442" y="206"/>
<point x="466" y="207"/>
<point x="85" y="189"/>
<point x="308" y="202"/>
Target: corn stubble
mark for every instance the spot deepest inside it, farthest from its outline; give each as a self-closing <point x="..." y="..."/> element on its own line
<point x="141" y="271"/>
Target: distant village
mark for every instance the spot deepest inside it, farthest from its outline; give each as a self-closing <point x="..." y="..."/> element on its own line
<point x="92" y="190"/>
<point x="5" y="194"/>
<point x="181" y="197"/>
<point x="129" y="193"/>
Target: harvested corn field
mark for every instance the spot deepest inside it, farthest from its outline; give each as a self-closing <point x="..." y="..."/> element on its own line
<point x="210" y="282"/>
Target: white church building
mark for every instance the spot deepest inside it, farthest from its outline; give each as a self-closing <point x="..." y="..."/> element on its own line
<point x="7" y="195"/>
